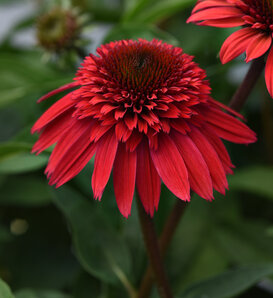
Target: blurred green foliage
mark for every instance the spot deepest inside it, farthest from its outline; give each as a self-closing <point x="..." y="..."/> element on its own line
<point x="63" y="244"/>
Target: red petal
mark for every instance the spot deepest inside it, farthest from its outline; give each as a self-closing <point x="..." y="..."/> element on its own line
<point x="236" y="44"/>
<point x="258" y="46"/>
<point x="212" y="160"/>
<point x="199" y="175"/>
<point x="269" y="72"/>
<point x="229" y="128"/>
<point x="122" y="131"/>
<point x="124" y="175"/>
<point x="52" y="132"/>
<point x="53" y="112"/>
<point x="131" y="120"/>
<point x="147" y="179"/>
<point x="171" y="167"/>
<point x="77" y="130"/>
<point x="98" y="130"/>
<point x="56" y="91"/>
<point x="133" y="141"/>
<point x="215" y="13"/>
<point x="219" y="148"/>
<point x="74" y="159"/>
<point x="224" y="23"/>
<point x="78" y="164"/>
<point x="104" y="159"/>
<point x="211" y="3"/>
<point x="180" y="125"/>
<point x="226" y="108"/>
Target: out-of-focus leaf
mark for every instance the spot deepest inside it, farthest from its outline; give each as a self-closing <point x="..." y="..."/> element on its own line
<point x="208" y="262"/>
<point x="153" y="11"/>
<point x="269" y="231"/>
<point x="257" y="180"/>
<point x="5" y="235"/>
<point x="105" y="10"/>
<point x="133" y="7"/>
<point x="244" y="242"/>
<point x="23" y="74"/>
<point x="25" y="191"/>
<point x="5" y="290"/>
<point x="28" y="293"/>
<point x="229" y="283"/>
<point x="100" y="250"/>
<point x="39" y="255"/>
<point x="85" y="285"/>
<point x="136" y="31"/>
<point x="16" y="158"/>
<point x="184" y="253"/>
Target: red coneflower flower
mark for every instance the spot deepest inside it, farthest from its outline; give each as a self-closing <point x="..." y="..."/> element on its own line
<point x="144" y="108"/>
<point x="256" y="16"/>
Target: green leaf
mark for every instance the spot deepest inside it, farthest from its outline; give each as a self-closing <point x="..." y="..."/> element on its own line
<point x="24" y="74"/>
<point x="244" y="241"/>
<point x="99" y="248"/>
<point x="230" y="283"/>
<point x="16" y="158"/>
<point x="5" y="235"/>
<point x="28" y="293"/>
<point x="154" y="11"/>
<point x="255" y="180"/>
<point x="25" y="191"/>
<point x="5" y="291"/>
<point x="136" y="31"/>
<point x="206" y="263"/>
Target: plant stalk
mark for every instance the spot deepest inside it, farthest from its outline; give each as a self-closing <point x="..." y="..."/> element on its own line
<point x="153" y="251"/>
<point x="164" y="241"/>
<point x="240" y="96"/>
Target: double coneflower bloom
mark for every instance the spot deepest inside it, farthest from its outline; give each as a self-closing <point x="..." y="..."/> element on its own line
<point x="255" y="38"/>
<point x="144" y="110"/>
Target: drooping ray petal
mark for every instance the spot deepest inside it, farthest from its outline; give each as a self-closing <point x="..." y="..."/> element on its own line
<point x="212" y="160"/>
<point x="210" y="4"/>
<point x="77" y="165"/>
<point x="258" y="46"/>
<point x="229" y="128"/>
<point x="215" y="13"/>
<point x="59" y="90"/>
<point x="236" y="44"/>
<point x="171" y="167"/>
<point x="54" y="111"/>
<point x="124" y="175"/>
<point x="67" y="151"/>
<point x="228" y="109"/>
<point x="104" y="159"/>
<point x="52" y="132"/>
<point x="224" y="23"/>
<point x="269" y="72"/>
<point x="218" y="147"/>
<point x="147" y="179"/>
<point x="66" y="139"/>
<point x="199" y="176"/>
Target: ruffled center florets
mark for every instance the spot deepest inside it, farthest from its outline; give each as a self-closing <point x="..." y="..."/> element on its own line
<point x="260" y="13"/>
<point x="140" y="86"/>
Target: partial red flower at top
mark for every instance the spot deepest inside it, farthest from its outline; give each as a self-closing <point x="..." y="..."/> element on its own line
<point x="144" y="110"/>
<point x="255" y="38"/>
